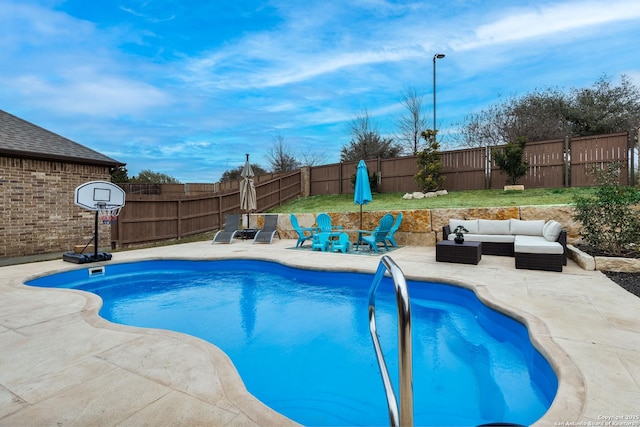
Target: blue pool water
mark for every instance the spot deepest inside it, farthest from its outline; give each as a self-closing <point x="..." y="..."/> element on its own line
<point x="300" y="339"/>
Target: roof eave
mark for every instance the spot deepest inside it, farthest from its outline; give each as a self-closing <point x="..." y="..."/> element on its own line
<point x="65" y="159"/>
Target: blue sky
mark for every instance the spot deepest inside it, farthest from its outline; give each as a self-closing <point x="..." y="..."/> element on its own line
<point x="188" y="87"/>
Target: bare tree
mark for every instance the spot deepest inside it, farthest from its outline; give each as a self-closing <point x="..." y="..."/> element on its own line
<point x="553" y="114"/>
<point x="148" y="176"/>
<point x="411" y="123"/>
<point x="280" y="157"/>
<point x="233" y="174"/>
<point x="537" y="116"/>
<point x="309" y="158"/>
<point x="366" y="142"/>
<point x="483" y="129"/>
<point x="605" y="108"/>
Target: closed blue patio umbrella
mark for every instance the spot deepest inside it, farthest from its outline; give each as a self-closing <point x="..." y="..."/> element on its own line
<point x="362" y="194"/>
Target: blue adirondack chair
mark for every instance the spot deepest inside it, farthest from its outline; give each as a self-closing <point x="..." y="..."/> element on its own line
<point x="302" y="237"/>
<point x="394" y="228"/>
<point x="323" y="221"/>
<point x="379" y="235"/>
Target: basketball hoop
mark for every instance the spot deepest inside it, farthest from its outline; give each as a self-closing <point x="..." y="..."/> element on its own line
<point x="105" y="199"/>
<point x="108" y="214"/>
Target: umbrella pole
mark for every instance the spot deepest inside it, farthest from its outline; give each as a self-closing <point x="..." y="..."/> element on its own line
<point x="359" y="233"/>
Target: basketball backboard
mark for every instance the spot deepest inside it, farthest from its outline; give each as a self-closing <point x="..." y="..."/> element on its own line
<point x="94" y="193"/>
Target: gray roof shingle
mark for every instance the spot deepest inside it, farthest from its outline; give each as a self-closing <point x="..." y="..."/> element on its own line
<point x="19" y="138"/>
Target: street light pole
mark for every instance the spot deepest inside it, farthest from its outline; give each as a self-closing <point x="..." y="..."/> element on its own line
<point x="436" y="56"/>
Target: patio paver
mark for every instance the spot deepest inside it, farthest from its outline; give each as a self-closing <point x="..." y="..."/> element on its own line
<point x="61" y="364"/>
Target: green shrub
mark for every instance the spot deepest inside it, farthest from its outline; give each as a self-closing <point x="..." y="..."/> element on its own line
<point x="430" y="167"/>
<point x="509" y="160"/>
<point x="609" y="221"/>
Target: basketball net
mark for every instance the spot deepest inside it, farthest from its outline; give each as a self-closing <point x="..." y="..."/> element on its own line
<point x="108" y="214"/>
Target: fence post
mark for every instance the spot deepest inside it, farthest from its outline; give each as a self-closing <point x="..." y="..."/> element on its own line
<point x="631" y="149"/>
<point x="179" y="225"/>
<point x="566" y="161"/>
<point x="637" y="148"/>
<point x="305" y="181"/>
<point x="487" y="168"/>
<point x="379" y="173"/>
<point x="119" y="231"/>
<point x="220" y="213"/>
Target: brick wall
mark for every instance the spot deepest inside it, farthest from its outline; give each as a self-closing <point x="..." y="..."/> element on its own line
<point x="37" y="212"/>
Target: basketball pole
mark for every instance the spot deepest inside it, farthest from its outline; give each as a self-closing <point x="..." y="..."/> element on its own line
<point x="95" y="238"/>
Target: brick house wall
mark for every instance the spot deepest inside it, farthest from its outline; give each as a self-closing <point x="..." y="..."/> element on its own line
<point x="37" y="210"/>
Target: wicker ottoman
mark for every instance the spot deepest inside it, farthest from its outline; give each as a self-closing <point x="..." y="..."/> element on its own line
<point x="463" y="253"/>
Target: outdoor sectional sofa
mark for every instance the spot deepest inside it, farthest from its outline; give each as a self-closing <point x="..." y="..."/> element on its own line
<point x="535" y="244"/>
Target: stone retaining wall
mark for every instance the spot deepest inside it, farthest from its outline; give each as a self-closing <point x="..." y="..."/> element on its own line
<point x="601" y="263"/>
<point x="423" y="227"/>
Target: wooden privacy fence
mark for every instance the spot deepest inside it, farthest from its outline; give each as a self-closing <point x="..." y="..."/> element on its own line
<point x="552" y="164"/>
<point x="149" y="218"/>
<point x="186" y="209"/>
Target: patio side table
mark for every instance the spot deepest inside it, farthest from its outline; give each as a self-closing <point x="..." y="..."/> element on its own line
<point x="463" y="253"/>
<point x="246" y="233"/>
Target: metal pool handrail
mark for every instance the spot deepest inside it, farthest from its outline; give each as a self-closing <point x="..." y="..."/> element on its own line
<point x="405" y="363"/>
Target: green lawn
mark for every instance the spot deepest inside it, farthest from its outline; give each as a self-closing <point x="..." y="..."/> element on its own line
<point x="456" y="199"/>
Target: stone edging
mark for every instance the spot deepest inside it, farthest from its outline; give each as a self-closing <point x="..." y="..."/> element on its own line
<point x="601" y="263"/>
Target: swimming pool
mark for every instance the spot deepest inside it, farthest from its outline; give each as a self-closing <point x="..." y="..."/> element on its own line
<point x="301" y="344"/>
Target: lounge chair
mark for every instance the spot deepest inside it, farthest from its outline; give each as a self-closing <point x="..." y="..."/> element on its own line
<point x="269" y="229"/>
<point x="320" y="241"/>
<point x="323" y="222"/>
<point x="390" y="238"/>
<point x="302" y="237"/>
<point x="379" y="235"/>
<point x="231" y="227"/>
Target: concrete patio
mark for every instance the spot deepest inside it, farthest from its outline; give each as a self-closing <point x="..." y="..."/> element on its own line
<point x="61" y="364"/>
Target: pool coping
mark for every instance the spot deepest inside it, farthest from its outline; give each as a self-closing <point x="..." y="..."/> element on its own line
<point x="580" y="323"/>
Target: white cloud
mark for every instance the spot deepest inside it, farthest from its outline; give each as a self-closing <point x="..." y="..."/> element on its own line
<point x="184" y="148"/>
<point x="102" y="95"/>
<point x="53" y="61"/>
<point x="30" y="25"/>
<point x="313" y="40"/>
<point x="184" y="95"/>
<point x="550" y="20"/>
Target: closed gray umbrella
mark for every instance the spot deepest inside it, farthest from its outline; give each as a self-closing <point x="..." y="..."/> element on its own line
<point x="247" y="190"/>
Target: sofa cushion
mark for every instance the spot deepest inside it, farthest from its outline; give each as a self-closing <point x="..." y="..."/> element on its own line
<point x="527" y="228"/>
<point x="493" y="226"/>
<point x="470" y="224"/>
<point x="489" y="238"/>
<point x="551" y="230"/>
<point x="536" y="245"/>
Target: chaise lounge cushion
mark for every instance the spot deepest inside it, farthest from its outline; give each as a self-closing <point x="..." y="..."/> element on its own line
<point x="526" y="228"/>
<point x="536" y="245"/>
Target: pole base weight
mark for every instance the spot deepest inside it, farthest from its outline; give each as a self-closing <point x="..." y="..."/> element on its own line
<point x="85" y="258"/>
